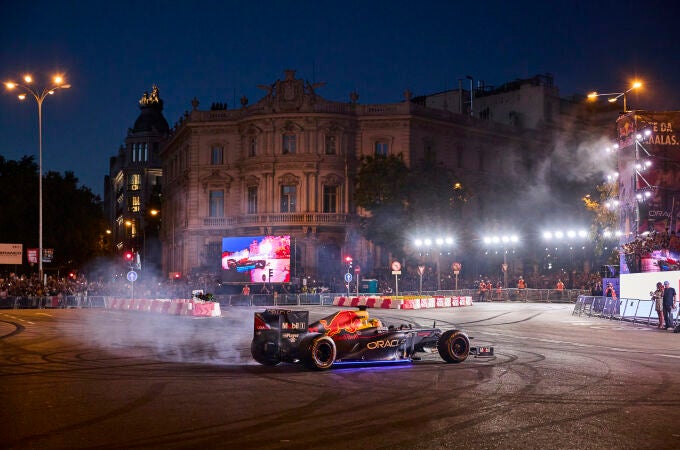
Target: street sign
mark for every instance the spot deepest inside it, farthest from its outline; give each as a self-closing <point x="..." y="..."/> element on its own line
<point x="456" y="266"/>
<point x="357" y="269"/>
<point x="132" y="276"/>
<point x="348" y="277"/>
<point x="505" y="267"/>
<point x="421" y="270"/>
<point x="396" y="266"/>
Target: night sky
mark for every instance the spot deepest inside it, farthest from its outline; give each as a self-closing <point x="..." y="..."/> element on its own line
<point x="111" y="52"/>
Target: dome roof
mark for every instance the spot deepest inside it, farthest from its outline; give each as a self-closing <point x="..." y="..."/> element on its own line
<point x="151" y="118"/>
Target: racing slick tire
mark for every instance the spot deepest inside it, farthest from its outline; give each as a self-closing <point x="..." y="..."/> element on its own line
<point x="453" y="346"/>
<point x="318" y="352"/>
<point x="264" y="355"/>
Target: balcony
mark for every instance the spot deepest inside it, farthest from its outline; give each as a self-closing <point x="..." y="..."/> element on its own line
<point x="289" y="219"/>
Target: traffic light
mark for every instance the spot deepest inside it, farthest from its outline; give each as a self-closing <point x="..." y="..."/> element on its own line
<point x="128" y="257"/>
<point x="348" y="260"/>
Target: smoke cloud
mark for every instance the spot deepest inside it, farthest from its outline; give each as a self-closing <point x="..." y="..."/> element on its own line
<point x="206" y="340"/>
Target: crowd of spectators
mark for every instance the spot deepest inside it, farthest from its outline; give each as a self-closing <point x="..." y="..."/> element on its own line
<point x="650" y="242"/>
<point x="15" y="285"/>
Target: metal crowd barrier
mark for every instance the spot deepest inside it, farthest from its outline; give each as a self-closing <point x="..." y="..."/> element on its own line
<point x="305" y="299"/>
<point x="629" y="309"/>
<point x="46" y="302"/>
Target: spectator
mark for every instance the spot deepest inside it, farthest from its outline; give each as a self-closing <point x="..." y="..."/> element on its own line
<point x="657" y="297"/>
<point x="669" y="303"/>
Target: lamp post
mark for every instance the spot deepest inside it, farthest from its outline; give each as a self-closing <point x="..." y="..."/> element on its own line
<point x="438" y="244"/>
<point x="506" y="242"/>
<point x="614" y="96"/>
<point x="39" y="95"/>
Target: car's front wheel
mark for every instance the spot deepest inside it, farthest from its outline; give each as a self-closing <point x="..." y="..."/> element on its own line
<point x="318" y="352"/>
<point x="453" y="346"/>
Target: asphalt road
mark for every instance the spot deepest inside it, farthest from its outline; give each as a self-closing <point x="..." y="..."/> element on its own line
<point x="110" y="379"/>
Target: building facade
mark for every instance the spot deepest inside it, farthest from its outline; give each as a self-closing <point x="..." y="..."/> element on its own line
<point x="286" y="165"/>
<point x="133" y="187"/>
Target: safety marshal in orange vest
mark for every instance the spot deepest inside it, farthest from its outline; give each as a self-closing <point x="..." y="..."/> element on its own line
<point x="560" y="285"/>
<point x="520" y="283"/>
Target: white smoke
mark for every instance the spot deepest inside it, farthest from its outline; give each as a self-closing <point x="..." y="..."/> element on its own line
<point x="206" y="340"/>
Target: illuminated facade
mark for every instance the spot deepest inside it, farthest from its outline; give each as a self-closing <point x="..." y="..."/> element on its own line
<point x="286" y="164"/>
<point x="133" y="187"/>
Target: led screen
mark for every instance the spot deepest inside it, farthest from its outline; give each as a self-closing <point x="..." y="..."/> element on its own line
<point x="256" y="259"/>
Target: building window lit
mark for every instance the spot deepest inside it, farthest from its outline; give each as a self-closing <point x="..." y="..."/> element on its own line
<point x="134" y="205"/>
<point x="216" y="203"/>
<point x="140" y="152"/>
<point x="252" y="200"/>
<point x="252" y="146"/>
<point x="289" y="142"/>
<point x="381" y="148"/>
<point x="288" y="193"/>
<point x="216" y="156"/>
<point x="134" y="182"/>
<point x="330" y="145"/>
<point x="330" y="199"/>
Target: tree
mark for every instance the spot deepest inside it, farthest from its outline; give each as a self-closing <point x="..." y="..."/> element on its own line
<point x="399" y="200"/>
<point x="73" y="220"/>
<point x="381" y="190"/>
<point x="605" y="218"/>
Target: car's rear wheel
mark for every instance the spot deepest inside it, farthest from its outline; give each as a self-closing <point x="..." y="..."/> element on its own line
<point x="453" y="346"/>
<point x="266" y="353"/>
<point x="318" y="352"/>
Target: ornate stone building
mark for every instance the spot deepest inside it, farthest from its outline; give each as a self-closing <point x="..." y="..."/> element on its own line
<point x="286" y="164"/>
<point x="133" y="187"/>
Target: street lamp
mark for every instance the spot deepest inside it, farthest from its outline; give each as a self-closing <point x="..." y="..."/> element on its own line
<point x="506" y="242"/>
<point x="438" y="244"/>
<point x="39" y="95"/>
<point x="614" y="96"/>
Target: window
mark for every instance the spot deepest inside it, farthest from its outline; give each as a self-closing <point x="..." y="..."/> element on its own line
<point x="134" y="204"/>
<point x="216" y="205"/>
<point x="288" y="198"/>
<point x="252" y="146"/>
<point x="330" y="145"/>
<point x="289" y="141"/>
<point x="140" y="152"/>
<point x="134" y="182"/>
<point x="381" y="148"/>
<point x="252" y="200"/>
<point x="330" y="199"/>
<point x="216" y="156"/>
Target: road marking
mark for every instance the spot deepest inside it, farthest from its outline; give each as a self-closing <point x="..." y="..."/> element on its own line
<point x="667" y="356"/>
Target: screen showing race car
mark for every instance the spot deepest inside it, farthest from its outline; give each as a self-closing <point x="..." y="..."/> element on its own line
<point x="256" y="259"/>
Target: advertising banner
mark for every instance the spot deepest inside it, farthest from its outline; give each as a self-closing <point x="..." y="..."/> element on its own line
<point x="649" y="190"/>
<point x="32" y="255"/>
<point x="11" y="253"/>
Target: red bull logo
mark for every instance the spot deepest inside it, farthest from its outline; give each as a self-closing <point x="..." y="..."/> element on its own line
<point x="347" y="321"/>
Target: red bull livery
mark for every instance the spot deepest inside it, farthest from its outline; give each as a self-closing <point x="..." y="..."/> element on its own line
<point x="350" y="337"/>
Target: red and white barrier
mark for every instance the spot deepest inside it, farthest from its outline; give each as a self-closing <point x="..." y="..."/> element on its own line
<point x="404" y="302"/>
<point x="176" y="307"/>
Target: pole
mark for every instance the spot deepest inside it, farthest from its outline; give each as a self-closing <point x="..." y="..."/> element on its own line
<point x="396" y="285"/>
<point x="439" y="278"/>
<point x="40" y="195"/>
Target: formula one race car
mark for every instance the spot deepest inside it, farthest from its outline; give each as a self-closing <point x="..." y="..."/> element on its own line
<point x="245" y="264"/>
<point x="349" y="337"/>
